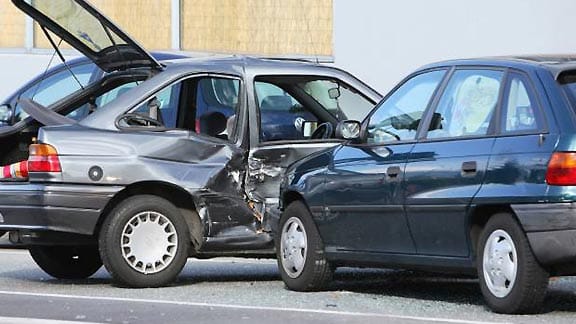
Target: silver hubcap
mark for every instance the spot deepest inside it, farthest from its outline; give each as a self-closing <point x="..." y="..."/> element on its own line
<point x="149" y="242"/>
<point x="500" y="263"/>
<point x="293" y="246"/>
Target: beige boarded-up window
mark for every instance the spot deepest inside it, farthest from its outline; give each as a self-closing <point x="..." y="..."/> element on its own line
<point x="12" y="25"/>
<point x="147" y="21"/>
<point x="273" y="27"/>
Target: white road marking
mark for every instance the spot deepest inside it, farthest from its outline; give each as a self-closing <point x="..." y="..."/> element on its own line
<point x="283" y="309"/>
<point x="13" y="251"/>
<point x="215" y="260"/>
<point x="22" y="320"/>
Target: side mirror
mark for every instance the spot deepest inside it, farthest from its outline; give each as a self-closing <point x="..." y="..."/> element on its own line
<point x="334" y="93"/>
<point x="349" y="130"/>
<point x="6" y="113"/>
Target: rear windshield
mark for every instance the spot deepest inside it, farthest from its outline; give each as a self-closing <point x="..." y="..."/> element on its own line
<point x="567" y="80"/>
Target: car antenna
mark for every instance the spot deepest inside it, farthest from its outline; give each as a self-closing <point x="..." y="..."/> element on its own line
<point x="57" y="49"/>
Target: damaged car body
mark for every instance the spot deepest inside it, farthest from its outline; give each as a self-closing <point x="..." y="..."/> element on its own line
<point x="187" y="161"/>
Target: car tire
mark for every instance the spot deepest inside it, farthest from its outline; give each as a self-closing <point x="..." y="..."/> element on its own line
<point x="67" y="262"/>
<point x="144" y="242"/>
<point x="511" y="279"/>
<point x="300" y="251"/>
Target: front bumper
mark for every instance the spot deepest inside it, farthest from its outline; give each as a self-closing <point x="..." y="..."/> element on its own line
<point x="64" y="208"/>
<point x="551" y="232"/>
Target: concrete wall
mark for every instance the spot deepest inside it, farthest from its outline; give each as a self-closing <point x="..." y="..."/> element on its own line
<point x="383" y="41"/>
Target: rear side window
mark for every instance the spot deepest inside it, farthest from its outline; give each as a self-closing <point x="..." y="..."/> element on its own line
<point x="520" y="109"/>
<point x="467" y="106"/>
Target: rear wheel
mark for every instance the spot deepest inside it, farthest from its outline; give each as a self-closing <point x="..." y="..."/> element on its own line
<point x="144" y="242"/>
<point x="67" y="262"/>
<point x="300" y="252"/>
<point x="511" y="279"/>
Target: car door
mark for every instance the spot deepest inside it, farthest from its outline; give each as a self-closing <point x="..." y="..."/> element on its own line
<point x="364" y="190"/>
<point x="204" y="115"/>
<point x="283" y="108"/>
<point x="520" y="156"/>
<point x="447" y="166"/>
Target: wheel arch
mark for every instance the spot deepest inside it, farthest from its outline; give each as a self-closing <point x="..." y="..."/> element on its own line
<point x="478" y="217"/>
<point x="291" y="196"/>
<point x="181" y="198"/>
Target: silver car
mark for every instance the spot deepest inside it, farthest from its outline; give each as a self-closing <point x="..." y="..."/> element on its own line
<point x="186" y="161"/>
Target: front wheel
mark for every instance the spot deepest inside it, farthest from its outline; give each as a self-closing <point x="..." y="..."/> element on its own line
<point x="67" y="262"/>
<point x="511" y="279"/>
<point x="144" y="242"/>
<point x="300" y="252"/>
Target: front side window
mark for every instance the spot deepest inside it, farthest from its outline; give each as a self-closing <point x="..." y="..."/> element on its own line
<point x="399" y="115"/>
<point x="305" y="107"/>
<point x="282" y="116"/>
<point x="467" y="105"/>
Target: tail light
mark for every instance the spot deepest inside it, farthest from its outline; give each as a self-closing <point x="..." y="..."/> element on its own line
<point x="562" y="169"/>
<point x="43" y="158"/>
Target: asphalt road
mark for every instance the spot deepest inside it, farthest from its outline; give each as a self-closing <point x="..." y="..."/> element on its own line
<point x="229" y="290"/>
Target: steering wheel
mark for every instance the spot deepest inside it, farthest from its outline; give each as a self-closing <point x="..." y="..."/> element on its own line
<point x="323" y="131"/>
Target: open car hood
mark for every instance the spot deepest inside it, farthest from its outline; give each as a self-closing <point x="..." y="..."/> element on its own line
<point x="88" y="31"/>
<point x="42" y="114"/>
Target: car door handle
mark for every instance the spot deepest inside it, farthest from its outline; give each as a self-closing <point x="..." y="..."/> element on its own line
<point x="393" y="171"/>
<point x="469" y="167"/>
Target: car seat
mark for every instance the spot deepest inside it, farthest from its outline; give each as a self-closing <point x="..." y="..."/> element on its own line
<point x="212" y="124"/>
<point x="276" y="103"/>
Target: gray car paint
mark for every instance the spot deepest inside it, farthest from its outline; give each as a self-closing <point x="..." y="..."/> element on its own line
<point x="233" y="187"/>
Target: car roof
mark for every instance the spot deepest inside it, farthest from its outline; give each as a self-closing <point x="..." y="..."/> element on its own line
<point x="555" y="63"/>
<point x="246" y="64"/>
<point x="235" y="65"/>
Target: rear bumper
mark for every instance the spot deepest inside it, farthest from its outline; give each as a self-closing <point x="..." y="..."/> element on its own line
<point x="551" y="232"/>
<point x="53" y="207"/>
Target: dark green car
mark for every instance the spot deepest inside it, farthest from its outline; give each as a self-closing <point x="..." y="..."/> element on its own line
<point x="466" y="166"/>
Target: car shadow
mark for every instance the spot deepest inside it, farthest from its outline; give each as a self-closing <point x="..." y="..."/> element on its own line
<point x="409" y="284"/>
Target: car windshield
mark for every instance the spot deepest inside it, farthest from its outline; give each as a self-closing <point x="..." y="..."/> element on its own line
<point x="340" y="100"/>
